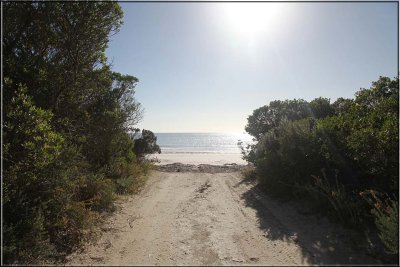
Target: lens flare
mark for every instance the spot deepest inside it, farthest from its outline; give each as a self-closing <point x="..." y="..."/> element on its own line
<point x="251" y="20"/>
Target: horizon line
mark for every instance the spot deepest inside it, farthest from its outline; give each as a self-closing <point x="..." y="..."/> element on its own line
<point x="241" y="132"/>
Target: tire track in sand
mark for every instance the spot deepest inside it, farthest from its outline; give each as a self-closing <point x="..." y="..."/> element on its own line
<point x="197" y="218"/>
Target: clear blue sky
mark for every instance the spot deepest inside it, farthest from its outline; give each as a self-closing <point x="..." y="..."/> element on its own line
<point x="204" y="67"/>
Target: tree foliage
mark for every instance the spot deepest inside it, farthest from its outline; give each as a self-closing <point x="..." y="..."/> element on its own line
<point x="146" y="144"/>
<point x="270" y="116"/>
<point x="31" y="148"/>
<point x="67" y="118"/>
<point x="321" y="108"/>
<point x="332" y="152"/>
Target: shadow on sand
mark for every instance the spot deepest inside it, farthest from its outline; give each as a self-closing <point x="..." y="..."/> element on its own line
<point x="321" y="242"/>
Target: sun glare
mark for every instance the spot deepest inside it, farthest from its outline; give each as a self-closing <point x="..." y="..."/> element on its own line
<point x="252" y="20"/>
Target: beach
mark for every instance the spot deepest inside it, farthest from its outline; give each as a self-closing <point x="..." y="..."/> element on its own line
<point x="197" y="208"/>
<point x="200" y="148"/>
<point x="198" y="158"/>
<point x="204" y="134"/>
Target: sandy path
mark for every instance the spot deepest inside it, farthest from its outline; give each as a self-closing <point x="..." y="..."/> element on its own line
<point x="187" y="218"/>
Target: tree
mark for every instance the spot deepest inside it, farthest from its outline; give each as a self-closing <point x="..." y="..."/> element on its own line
<point x="341" y="105"/>
<point x="111" y="117"/>
<point x="374" y="139"/>
<point x="58" y="50"/>
<point x="66" y="123"/>
<point x="146" y="144"/>
<point x="31" y="149"/>
<point x="354" y="145"/>
<point x="321" y="108"/>
<point x="266" y="118"/>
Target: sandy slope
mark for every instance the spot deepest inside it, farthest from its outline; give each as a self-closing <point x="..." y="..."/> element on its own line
<point x="197" y="218"/>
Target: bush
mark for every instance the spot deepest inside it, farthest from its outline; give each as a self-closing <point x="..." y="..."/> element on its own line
<point x="387" y="222"/>
<point x="337" y="200"/>
<point x="287" y="156"/>
<point x="52" y="196"/>
<point x="321" y="108"/>
<point x="32" y="245"/>
<point x="71" y="226"/>
<point x="270" y="116"/>
<point x="31" y="149"/>
<point x="146" y="144"/>
<point x="97" y="193"/>
<point x="385" y="212"/>
<point x="131" y="177"/>
<point x="365" y="138"/>
<point x="353" y="142"/>
<point x="66" y="122"/>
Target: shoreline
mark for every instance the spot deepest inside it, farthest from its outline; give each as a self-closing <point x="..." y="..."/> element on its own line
<point x="215" y="159"/>
<point x="199" y="162"/>
<point x="204" y="168"/>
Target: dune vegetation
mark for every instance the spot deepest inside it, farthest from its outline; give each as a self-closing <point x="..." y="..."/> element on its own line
<point x="69" y="127"/>
<point x="341" y="158"/>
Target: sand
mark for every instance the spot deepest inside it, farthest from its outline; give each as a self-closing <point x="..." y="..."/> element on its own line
<point x="212" y="218"/>
<point x="198" y="158"/>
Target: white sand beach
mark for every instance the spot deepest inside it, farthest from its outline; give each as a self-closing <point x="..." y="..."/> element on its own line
<point x="198" y="158"/>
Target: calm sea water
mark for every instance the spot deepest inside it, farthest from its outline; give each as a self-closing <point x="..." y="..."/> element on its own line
<point x="201" y="142"/>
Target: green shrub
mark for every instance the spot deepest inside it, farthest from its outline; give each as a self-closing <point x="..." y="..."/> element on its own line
<point x="133" y="178"/>
<point x="366" y="136"/>
<point x="66" y="122"/>
<point x="31" y="149"/>
<point x="385" y="212"/>
<point x="71" y="225"/>
<point x="31" y="245"/>
<point x="286" y="156"/>
<point x="146" y="144"/>
<point x="321" y="108"/>
<point x="355" y="144"/>
<point x="337" y="200"/>
<point x="270" y="116"/>
<point x="387" y="222"/>
<point x="97" y="193"/>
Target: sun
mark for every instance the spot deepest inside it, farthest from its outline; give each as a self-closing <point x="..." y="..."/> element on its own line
<point x="252" y="20"/>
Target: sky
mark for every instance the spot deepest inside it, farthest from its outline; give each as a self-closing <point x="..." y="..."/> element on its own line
<point x="204" y="67"/>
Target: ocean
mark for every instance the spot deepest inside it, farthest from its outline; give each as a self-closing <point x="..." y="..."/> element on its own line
<point x="201" y="143"/>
